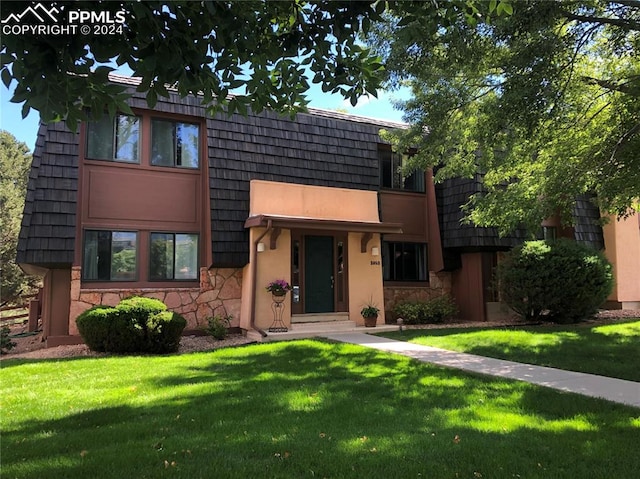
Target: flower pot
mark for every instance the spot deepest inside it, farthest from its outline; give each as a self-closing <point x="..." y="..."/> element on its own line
<point x="278" y="296"/>
<point x="370" y="321"/>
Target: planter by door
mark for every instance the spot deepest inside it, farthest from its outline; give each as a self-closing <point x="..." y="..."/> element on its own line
<point x="370" y="322"/>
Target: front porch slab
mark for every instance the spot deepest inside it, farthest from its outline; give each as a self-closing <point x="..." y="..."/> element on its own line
<point x="319" y="329"/>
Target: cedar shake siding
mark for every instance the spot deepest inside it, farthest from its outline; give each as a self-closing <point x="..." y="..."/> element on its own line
<point x="48" y="230"/>
<point x="451" y="196"/>
<point x="587" y="223"/>
<point x="317" y="148"/>
<point x="311" y="150"/>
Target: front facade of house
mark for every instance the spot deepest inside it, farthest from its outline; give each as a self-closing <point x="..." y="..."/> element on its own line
<point x="202" y="212"/>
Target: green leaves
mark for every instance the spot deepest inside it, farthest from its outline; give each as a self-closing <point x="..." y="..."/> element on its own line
<point x="542" y="104"/>
<point x="265" y="47"/>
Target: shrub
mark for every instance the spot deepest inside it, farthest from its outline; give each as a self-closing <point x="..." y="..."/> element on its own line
<point x="5" y="343"/>
<point x="562" y="281"/>
<point x="163" y="332"/>
<point x="217" y="326"/>
<point x="106" y="329"/>
<point x="139" y="309"/>
<point x="136" y="324"/>
<point x="424" y="312"/>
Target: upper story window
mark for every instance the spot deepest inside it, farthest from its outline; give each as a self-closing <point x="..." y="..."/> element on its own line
<point x="115" y="139"/>
<point x="391" y="175"/>
<point x="145" y="140"/>
<point x="174" y="144"/>
<point x="548" y="233"/>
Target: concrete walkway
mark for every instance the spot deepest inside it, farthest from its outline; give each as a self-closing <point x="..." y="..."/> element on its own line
<point x="616" y="390"/>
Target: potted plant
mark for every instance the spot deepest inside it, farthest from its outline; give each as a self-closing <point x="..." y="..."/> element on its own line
<point x="370" y="315"/>
<point x="278" y="288"/>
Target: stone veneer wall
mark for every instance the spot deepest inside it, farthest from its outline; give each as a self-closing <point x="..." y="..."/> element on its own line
<point x="439" y="285"/>
<point x="220" y="293"/>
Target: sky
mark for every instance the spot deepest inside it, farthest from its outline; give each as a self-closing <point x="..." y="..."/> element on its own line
<point x="380" y="108"/>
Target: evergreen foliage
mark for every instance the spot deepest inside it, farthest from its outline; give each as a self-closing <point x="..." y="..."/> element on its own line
<point x="15" y="162"/>
<point x="560" y="281"/>
<point x="136" y="324"/>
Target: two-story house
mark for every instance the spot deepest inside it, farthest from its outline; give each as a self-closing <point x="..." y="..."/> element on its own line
<point x="203" y="211"/>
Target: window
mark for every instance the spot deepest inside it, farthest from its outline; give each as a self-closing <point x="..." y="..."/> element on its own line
<point x="548" y="233"/>
<point x="404" y="261"/>
<point x="174" y="144"/>
<point x="391" y="175"/>
<point x="173" y="256"/>
<point x="110" y="256"/>
<point x="115" y="139"/>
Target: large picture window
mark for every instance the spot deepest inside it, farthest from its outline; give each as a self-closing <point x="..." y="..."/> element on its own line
<point x="173" y="256"/>
<point x="115" y="139"/>
<point x="391" y="175"/>
<point x="404" y="261"/>
<point x="174" y="144"/>
<point x="110" y="256"/>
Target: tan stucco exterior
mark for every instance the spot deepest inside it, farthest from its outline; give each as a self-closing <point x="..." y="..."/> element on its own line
<point x="310" y="202"/>
<point x="622" y="248"/>
<point x="365" y="278"/>
<point x="319" y="202"/>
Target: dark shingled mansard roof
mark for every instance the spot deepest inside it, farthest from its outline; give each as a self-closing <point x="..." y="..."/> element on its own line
<point x="322" y="148"/>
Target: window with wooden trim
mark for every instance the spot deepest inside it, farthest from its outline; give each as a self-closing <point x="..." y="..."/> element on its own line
<point x="114" y="139"/>
<point x="173" y="256"/>
<point x="392" y="175"/>
<point x="404" y="261"/>
<point x="174" y="144"/>
<point x="110" y="255"/>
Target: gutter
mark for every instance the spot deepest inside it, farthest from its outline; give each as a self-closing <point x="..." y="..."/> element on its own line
<point x="254" y="274"/>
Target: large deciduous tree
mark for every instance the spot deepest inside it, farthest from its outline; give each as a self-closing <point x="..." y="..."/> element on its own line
<point x="545" y="102"/>
<point x="209" y="48"/>
<point x="265" y="52"/>
<point x="15" y="161"/>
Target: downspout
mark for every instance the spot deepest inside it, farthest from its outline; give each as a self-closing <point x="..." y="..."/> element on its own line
<point x="254" y="274"/>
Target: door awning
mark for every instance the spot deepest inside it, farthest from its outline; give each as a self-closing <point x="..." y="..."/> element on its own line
<point x="299" y="222"/>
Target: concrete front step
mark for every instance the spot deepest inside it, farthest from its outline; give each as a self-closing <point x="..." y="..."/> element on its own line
<point x="319" y="317"/>
<point x="313" y="330"/>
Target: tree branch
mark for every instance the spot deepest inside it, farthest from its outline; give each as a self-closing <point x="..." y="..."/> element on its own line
<point x="625" y="24"/>
<point x="624" y="139"/>
<point x="622" y="87"/>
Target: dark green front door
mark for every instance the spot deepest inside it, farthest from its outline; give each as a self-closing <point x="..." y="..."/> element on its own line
<point x="318" y="276"/>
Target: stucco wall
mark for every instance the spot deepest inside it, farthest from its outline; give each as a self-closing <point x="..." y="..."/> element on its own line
<point x="313" y="201"/>
<point x="220" y="293"/>
<point x="622" y="248"/>
<point x="365" y="278"/>
<point x="272" y="264"/>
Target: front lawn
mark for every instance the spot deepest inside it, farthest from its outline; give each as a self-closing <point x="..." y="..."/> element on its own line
<point x="299" y="409"/>
<point x="608" y="350"/>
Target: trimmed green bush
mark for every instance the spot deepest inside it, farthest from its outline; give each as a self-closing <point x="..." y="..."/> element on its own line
<point x="561" y="281"/>
<point x="435" y="310"/>
<point x="163" y="332"/>
<point x="136" y="324"/>
<point x="139" y="308"/>
<point x="106" y="329"/>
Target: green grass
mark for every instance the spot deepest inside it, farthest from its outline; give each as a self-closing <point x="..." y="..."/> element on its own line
<point x="299" y="409"/>
<point x="609" y="350"/>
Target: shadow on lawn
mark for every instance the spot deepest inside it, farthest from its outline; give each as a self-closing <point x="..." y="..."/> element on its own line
<point x="599" y="349"/>
<point x="309" y="408"/>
